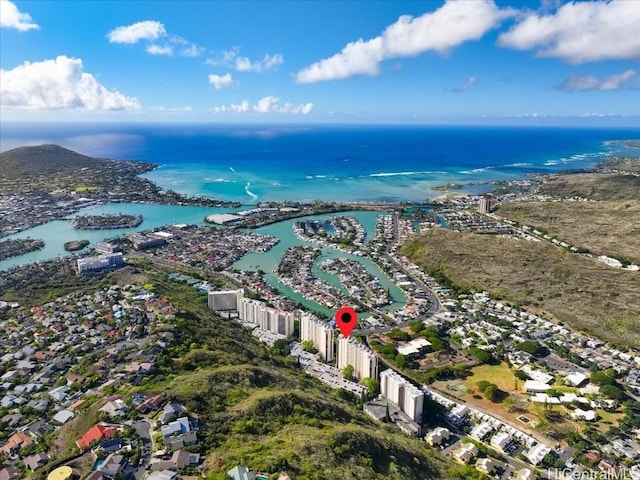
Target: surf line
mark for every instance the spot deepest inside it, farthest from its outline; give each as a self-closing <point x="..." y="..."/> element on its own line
<point x="253" y="196"/>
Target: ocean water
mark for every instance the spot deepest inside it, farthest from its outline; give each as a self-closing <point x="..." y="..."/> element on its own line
<point x="303" y="163"/>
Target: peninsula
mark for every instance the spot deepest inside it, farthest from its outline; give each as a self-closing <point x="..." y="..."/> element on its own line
<point x="48" y="182"/>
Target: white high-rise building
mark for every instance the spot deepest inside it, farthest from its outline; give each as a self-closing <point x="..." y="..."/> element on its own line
<point x="404" y="394"/>
<point x="319" y="332"/>
<point x="361" y="358"/>
<point x="413" y="402"/>
<point x="267" y="318"/>
<point x="225" y="299"/>
<point x="110" y="260"/>
<point x="249" y="310"/>
<point x="275" y="321"/>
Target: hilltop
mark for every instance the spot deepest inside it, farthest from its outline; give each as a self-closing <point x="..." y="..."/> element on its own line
<point x="48" y="168"/>
<point x="25" y="162"/>
<point x="48" y="182"/>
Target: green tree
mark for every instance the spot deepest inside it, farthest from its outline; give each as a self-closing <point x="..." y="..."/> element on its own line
<point x="372" y="385"/>
<point x="613" y="392"/>
<point x="601" y="378"/>
<point x="401" y="361"/>
<point x="281" y="347"/>
<point x="400" y="335"/>
<point x="532" y="347"/>
<point x="482" y="356"/>
<point x="307" y="345"/>
<point x="347" y="372"/>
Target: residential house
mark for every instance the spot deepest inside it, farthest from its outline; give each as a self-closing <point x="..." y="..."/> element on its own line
<point x="115" y="408"/>
<point x="38" y="428"/>
<point x="162" y="475"/>
<point x="181" y="441"/>
<point x="152" y="403"/>
<point x="112" y="445"/>
<point x="480" y="431"/>
<point x="16" y="442"/>
<point x="63" y="416"/>
<point x="178" y="426"/>
<point x="94" y="434"/>
<point x="59" y="394"/>
<point x="10" y="473"/>
<point x="486" y="466"/>
<point x="241" y="473"/>
<point x="501" y="441"/>
<point x="113" y="464"/>
<point x="36" y="460"/>
<point x="437" y="437"/>
<point x="170" y="412"/>
<point x="537" y="453"/>
<point x="180" y="459"/>
<point x="466" y="453"/>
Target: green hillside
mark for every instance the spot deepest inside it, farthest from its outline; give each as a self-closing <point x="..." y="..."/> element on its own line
<point x="259" y="409"/>
<point x="43" y="160"/>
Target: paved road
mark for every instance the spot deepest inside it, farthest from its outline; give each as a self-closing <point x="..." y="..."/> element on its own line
<point x="143" y="429"/>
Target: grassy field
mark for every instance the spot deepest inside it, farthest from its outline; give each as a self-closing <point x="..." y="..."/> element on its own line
<point x="604" y="228"/>
<point x="583" y="292"/>
<point x="500" y="374"/>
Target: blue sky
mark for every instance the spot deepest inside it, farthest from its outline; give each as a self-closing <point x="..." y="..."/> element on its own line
<point x="469" y="61"/>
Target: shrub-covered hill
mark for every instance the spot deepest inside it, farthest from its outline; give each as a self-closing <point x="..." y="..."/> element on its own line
<point x="277" y="420"/>
<point x="35" y="161"/>
<point x="583" y="292"/>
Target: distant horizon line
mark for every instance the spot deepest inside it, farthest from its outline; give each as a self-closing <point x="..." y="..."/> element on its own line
<point x="534" y="122"/>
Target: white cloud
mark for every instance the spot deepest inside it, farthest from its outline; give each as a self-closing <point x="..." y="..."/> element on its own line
<point x="225" y="59"/>
<point x="155" y="49"/>
<point x="575" y="83"/>
<point x="147" y="30"/>
<point x="269" y="62"/>
<point x="151" y="30"/>
<point x="59" y="83"/>
<point x="234" y="108"/>
<point x="11" y="17"/>
<point x="231" y="58"/>
<point x="269" y="104"/>
<point x="580" y="32"/>
<point x="192" y="50"/>
<point x="470" y="83"/>
<point x="185" y="109"/>
<point x="452" y="24"/>
<point x="221" y="81"/>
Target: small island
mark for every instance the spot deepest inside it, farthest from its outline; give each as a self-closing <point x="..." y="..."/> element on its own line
<point x="448" y="186"/>
<point x="75" y="245"/>
<point x="105" y="222"/>
<point x="19" y="246"/>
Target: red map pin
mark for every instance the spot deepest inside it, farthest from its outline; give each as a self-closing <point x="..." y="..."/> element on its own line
<point x="346" y="318"/>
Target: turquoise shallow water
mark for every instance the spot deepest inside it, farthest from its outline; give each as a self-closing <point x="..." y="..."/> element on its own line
<point x="55" y="234"/>
<point x="269" y="261"/>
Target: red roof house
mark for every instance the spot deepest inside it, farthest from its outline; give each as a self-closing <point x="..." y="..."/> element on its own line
<point x="95" y="433"/>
